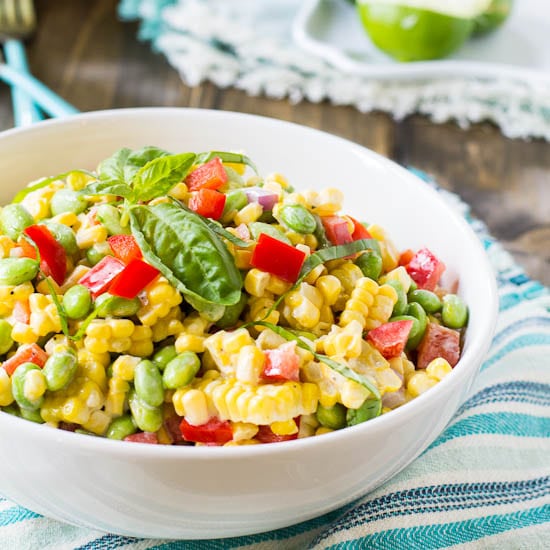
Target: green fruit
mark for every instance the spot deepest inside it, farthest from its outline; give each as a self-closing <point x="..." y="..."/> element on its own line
<point x="494" y="17"/>
<point x="416" y="30"/>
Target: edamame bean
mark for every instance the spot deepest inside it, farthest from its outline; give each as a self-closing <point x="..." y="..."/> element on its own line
<point x="67" y="200"/>
<point x="60" y="369"/>
<point x="148" y="383"/>
<point x="109" y="216"/>
<point x="256" y="228"/>
<point x="235" y="200"/>
<point x="417" y="311"/>
<point x="14" y="271"/>
<point x="454" y="312"/>
<point x="32" y="415"/>
<point x="370" y="263"/>
<point x="121" y="427"/>
<point x="400" y="307"/>
<point x="232" y="313"/>
<point x="332" y="417"/>
<point x="181" y="370"/>
<point x="97" y="252"/>
<point x="108" y="305"/>
<point x="18" y="387"/>
<point x="164" y="355"/>
<point x="147" y="418"/>
<point x="427" y="299"/>
<point x="416" y="329"/>
<point x="297" y="218"/>
<point x="13" y="219"/>
<point x="6" y="341"/>
<point x="77" y="302"/>
<point x="65" y="236"/>
<point x="371" y="408"/>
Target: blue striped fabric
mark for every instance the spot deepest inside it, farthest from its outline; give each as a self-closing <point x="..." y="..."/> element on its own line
<point x="484" y="483"/>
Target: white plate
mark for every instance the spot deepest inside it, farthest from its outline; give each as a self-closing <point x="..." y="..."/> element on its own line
<point x="520" y="49"/>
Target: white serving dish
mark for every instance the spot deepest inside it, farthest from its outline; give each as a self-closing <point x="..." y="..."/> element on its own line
<point x="206" y="492"/>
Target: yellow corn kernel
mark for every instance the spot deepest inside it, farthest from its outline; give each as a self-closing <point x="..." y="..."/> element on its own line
<point x="438" y="368"/>
<point x="6" y="397"/>
<point x="277" y="286"/>
<point x="100" y="330"/>
<point x="69" y="219"/>
<point x="250" y="364"/>
<point x="6" y="245"/>
<point x="242" y="258"/>
<point x="278" y="178"/>
<point x="419" y="383"/>
<point x="323" y="430"/>
<point x="98" y="422"/>
<point x="179" y="191"/>
<point x="330" y="288"/>
<point x="190" y="342"/>
<point x="23" y="334"/>
<point x="85" y="356"/>
<point x="195" y="408"/>
<point x="78" y="180"/>
<point x="346" y="342"/>
<point x="141" y="348"/>
<point x="258" y="309"/>
<point x="123" y="367"/>
<point x="387" y="380"/>
<point x="44" y="316"/>
<point x="121" y="328"/>
<point x="398" y="274"/>
<point x="241" y="443"/>
<point x="90" y="235"/>
<point x="288" y="427"/>
<point x="311" y="241"/>
<point x="195" y="324"/>
<point x="114" y="404"/>
<point x="243" y="430"/>
<point x="44" y="288"/>
<point x="389" y="252"/>
<point x="234" y="341"/>
<point x="256" y="281"/>
<point x="239" y="167"/>
<point x="295" y="238"/>
<point x="302" y="310"/>
<point x="94" y="371"/>
<point x="162" y="292"/>
<point x="96" y="345"/>
<point x="352" y="394"/>
<point x="248" y="214"/>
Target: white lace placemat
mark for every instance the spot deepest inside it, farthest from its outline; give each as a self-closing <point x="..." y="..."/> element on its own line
<point x="248" y="44"/>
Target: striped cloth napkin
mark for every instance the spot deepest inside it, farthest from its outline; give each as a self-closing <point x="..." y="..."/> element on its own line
<point x="484" y="483"/>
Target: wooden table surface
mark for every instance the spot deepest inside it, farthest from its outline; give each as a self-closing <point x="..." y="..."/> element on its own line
<point x="83" y="52"/>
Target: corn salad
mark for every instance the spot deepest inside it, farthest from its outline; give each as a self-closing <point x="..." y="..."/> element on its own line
<point x="183" y="299"/>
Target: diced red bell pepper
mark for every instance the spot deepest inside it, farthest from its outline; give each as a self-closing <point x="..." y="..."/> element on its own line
<point x="282" y="363"/>
<point x="100" y="277"/>
<point x="208" y="203"/>
<point x="359" y="230"/>
<point x="53" y="258"/>
<point x="21" y="312"/>
<point x="337" y="229"/>
<point x="438" y="341"/>
<point x="27" y="353"/>
<point x="214" y="431"/>
<point x="425" y="269"/>
<point x="124" y="247"/>
<point x="406" y="256"/>
<point x="133" y="279"/>
<point x="390" y="338"/>
<point x="211" y="175"/>
<point x="277" y="258"/>
<point x="265" y="435"/>
<point x="143" y="437"/>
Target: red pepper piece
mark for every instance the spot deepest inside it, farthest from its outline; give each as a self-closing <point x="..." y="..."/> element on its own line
<point x="124" y="247"/>
<point x="27" y="353"/>
<point x="438" y="341"/>
<point x="210" y="175"/>
<point x="337" y="229"/>
<point x="133" y="279"/>
<point x="265" y="435"/>
<point x="214" y="431"/>
<point x="277" y="258"/>
<point x="359" y="230"/>
<point x="53" y="258"/>
<point x="406" y="256"/>
<point x="425" y="269"/>
<point x="143" y="437"/>
<point x="282" y="363"/>
<point x="390" y="338"/>
<point x="100" y="277"/>
<point x="208" y="203"/>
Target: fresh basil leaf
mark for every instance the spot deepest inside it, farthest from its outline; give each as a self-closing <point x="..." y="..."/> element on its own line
<point x="139" y="158"/>
<point x="225" y="156"/>
<point x="46" y="181"/>
<point x="109" y="187"/>
<point x="187" y="252"/>
<point x="158" y="176"/>
<point x="112" y="168"/>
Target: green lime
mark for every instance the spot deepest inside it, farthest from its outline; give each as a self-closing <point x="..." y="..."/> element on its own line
<point x="415" y="30"/>
<point x="494" y="17"/>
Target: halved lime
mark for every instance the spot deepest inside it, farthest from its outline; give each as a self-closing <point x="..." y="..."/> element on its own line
<point x="496" y="14"/>
<point x="415" y="30"/>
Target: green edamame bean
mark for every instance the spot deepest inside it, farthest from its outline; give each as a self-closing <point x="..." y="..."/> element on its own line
<point x="429" y="300"/>
<point x="77" y="302"/>
<point x="13" y="219"/>
<point x="413" y="286"/>
<point x="370" y="263"/>
<point x="108" y="305"/>
<point x="18" y="387"/>
<point x="148" y="383"/>
<point x="297" y="218"/>
<point x="67" y="200"/>
<point x="121" y="427"/>
<point x="181" y="370"/>
<point x="417" y="311"/>
<point x="32" y="415"/>
<point x="454" y="312"/>
<point x="60" y="369"/>
<point x="256" y="228"/>
<point x="332" y="417"/>
<point x="232" y="313"/>
<point x="416" y="328"/>
<point x="147" y="418"/>
<point x="109" y="216"/>
<point x="65" y="236"/>
<point x="400" y="306"/>
<point x="164" y="355"/>
<point x="6" y="341"/>
<point x="14" y="271"/>
<point x="97" y="252"/>
<point x="235" y="200"/>
<point x="371" y="408"/>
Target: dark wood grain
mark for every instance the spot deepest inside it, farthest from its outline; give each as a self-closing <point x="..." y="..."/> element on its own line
<point x="86" y="54"/>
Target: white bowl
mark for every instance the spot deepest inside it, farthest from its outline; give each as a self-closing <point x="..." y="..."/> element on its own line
<point x="206" y="492"/>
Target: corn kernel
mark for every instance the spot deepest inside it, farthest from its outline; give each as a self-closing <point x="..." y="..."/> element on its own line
<point x="419" y="383"/>
<point x="438" y="368"/>
<point x="6" y="397"/>
<point x="190" y="342"/>
<point x="194" y="405"/>
<point x="23" y="334"/>
<point x="287" y="427"/>
<point x="98" y="422"/>
<point x="250" y="213"/>
<point x="123" y="367"/>
<point x="256" y="281"/>
<point x="250" y="363"/>
<point x="243" y="430"/>
<point x="323" y="430"/>
<point x="121" y="328"/>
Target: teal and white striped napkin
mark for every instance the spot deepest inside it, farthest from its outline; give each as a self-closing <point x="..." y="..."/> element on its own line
<point x="484" y="483"/>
